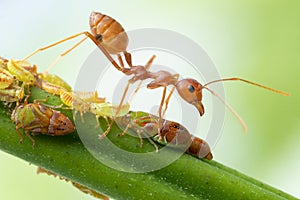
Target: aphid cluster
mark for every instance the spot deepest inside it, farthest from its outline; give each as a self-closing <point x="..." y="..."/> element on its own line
<point x="16" y="79"/>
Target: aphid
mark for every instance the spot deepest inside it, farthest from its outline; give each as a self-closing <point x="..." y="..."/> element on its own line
<point x="54" y="80"/>
<point x="13" y="94"/>
<point x="3" y="63"/>
<point x="170" y="133"/>
<point x="82" y="188"/>
<point x="6" y="78"/>
<point x="39" y="119"/>
<point x="73" y="101"/>
<point x="21" y="74"/>
<point x="23" y="71"/>
<point x="49" y="87"/>
<point x="90" y="102"/>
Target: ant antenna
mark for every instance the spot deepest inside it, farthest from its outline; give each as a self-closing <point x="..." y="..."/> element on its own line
<point x="243" y="80"/>
<point x="249" y="82"/>
<point x="230" y="108"/>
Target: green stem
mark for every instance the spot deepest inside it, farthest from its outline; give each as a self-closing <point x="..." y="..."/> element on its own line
<point x="186" y="178"/>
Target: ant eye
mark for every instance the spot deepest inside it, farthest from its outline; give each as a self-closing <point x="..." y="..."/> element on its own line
<point x="176" y="126"/>
<point x="191" y="88"/>
<point x="99" y="37"/>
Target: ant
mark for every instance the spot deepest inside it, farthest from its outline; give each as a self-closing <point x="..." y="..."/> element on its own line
<point x="111" y="38"/>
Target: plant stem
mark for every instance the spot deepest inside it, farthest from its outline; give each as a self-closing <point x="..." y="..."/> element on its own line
<point x="186" y="178"/>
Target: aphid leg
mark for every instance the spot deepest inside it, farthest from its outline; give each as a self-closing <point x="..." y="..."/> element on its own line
<point x="26" y="99"/>
<point x="87" y="34"/>
<point x="19" y="133"/>
<point x="153" y="143"/>
<point x="148" y="138"/>
<point x="97" y="120"/>
<point x="75" y="114"/>
<point x="139" y="132"/>
<point x="107" y="130"/>
<point x="105" y="118"/>
<point x="32" y="140"/>
<point x="41" y="100"/>
<point x="81" y="116"/>
<point x="125" y="130"/>
<point x="117" y="112"/>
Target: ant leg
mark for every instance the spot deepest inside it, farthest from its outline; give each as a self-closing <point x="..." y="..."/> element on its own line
<point x="128" y="58"/>
<point x="161" y="103"/>
<point x="121" y="60"/>
<point x="63" y="54"/>
<point x="52" y="45"/>
<point x="117" y="112"/>
<point x="147" y="67"/>
<point x="175" y="76"/>
<point x="98" y="44"/>
<point x="167" y="101"/>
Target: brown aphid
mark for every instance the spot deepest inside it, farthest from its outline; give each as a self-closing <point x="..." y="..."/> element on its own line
<point x="39" y="119"/>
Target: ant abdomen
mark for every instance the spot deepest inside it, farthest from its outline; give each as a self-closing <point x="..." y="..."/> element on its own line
<point x="108" y="31"/>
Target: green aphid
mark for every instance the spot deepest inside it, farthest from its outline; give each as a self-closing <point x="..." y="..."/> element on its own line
<point x="14" y="94"/>
<point x="23" y="75"/>
<point x="55" y="80"/>
<point x="39" y="119"/>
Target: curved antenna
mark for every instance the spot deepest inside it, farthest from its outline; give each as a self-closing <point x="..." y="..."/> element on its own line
<point x="249" y="82"/>
<point x="230" y="108"/>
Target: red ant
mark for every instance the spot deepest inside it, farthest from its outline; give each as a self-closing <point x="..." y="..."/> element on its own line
<point x="111" y="38"/>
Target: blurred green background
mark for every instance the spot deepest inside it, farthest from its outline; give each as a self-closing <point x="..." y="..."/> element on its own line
<point x="257" y="40"/>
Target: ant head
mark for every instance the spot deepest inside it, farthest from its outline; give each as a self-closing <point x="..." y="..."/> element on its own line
<point x="191" y="91"/>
